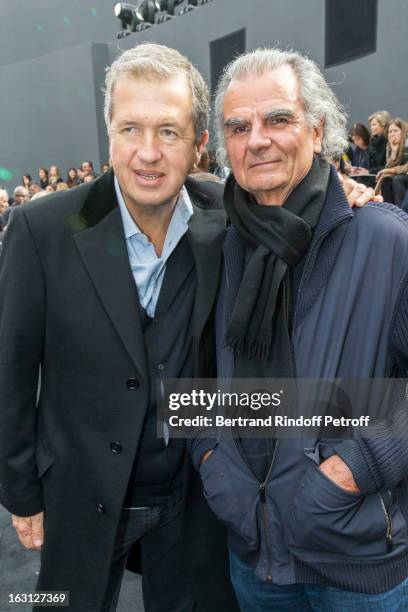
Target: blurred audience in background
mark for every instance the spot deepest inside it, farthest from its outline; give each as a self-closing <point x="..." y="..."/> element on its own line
<point x="392" y="181"/>
<point x="72" y="178"/>
<point x="4" y="209"/>
<point x="358" y="152"/>
<point x="20" y="195"/>
<point x="378" y="159"/>
<point x="378" y="142"/>
<point x="43" y="177"/>
<point x="26" y="181"/>
<point x="54" y="175"/>
<point x="88" y="170"/>
<point x="34" y="188"/>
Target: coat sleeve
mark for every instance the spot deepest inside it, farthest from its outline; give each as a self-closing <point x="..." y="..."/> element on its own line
<point x="381" y="460"/>
<point x="22" y="314"/>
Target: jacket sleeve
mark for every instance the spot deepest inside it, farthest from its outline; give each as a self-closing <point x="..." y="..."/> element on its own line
<point x="381" y="460"/>
<point x="22" y="310"/>
<point x="198" y="446"/>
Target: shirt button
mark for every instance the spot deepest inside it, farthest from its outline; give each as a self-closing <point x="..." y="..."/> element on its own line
<point x="160" y="367"/>
<point x="156" y="320"/>
<point x="132" y="383"/>
<point x="100" y="508"/>
<point x="116" y="447"/>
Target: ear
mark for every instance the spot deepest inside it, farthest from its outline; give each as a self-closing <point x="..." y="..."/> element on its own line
<point x="200" y="146"/>
<point x="318" y="138"/>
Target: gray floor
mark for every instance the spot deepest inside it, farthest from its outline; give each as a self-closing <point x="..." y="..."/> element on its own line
<point x="19" y="568"/>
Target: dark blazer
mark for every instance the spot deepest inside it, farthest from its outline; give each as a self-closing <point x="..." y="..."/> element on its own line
<point x="68" y="306"/>
<point x="377" y="153"/>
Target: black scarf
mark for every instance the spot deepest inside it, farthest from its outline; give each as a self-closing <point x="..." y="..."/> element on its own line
<point x="279" y="236"/>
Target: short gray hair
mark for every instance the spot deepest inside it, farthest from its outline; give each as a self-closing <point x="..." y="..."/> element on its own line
<point x="153" y="61"/>
<point x="20" y="189"/>
<point x="320" y="104"/>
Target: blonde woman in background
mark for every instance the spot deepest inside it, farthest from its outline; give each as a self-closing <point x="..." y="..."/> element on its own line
<point x="392" y="180"/>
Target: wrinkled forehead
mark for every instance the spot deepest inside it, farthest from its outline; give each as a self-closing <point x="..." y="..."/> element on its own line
<point x="268" y="89"/>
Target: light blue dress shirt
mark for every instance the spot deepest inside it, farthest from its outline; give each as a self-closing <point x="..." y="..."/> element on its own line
<point x="148" y="269"/>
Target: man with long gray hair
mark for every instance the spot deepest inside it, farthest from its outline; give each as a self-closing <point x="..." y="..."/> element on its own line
<point x="314" y="290"/>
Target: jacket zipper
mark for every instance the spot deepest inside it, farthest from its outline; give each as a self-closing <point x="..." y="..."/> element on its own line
<point x="262" y="497"/>
<point x="388" y="519"/>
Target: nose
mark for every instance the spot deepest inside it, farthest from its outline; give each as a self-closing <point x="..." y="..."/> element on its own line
<point x="258" y="137"/>
<point x="149" y="150"/>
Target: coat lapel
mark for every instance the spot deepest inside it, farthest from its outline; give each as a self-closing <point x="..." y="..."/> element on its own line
<point x="102" y="247"/>
<point x="206" y="234"/>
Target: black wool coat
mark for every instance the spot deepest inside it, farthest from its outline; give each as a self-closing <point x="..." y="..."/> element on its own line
<point x="69" y="317"/>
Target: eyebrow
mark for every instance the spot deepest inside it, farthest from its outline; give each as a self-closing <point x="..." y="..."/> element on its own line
<point x="278" y="112"/>
<point x="234" y="121"/>
<point x="165" y="121"/>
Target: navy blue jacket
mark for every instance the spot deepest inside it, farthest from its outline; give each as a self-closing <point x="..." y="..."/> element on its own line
<point x="350" y="321"/>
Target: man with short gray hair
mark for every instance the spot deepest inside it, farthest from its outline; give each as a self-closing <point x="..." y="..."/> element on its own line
<point x="4" y="208"/>
<point x="20" y="195"/>
<point x="313" y="290"/>
<point x="98" y="288"/>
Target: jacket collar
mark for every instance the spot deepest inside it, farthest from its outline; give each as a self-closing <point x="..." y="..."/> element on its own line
<point x="336" y="208"/>
<point x="101" y="200"/>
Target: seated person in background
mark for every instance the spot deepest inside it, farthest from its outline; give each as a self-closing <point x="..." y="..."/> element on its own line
<point x="43" y="177"/>
<point x="72" y="178"/>
<point x="26" y="181"/>
<point x="392" y="181"/>
<point x="61" y="186"/>
<point x="200" y="171"/>
<point x="378" y="143"/>
<point x="54" y="175"/>
<point x="4" y="208"/>
<point x="21" y="195"/>
<point x="34" y="188"/>
<point x="358" y="152"/>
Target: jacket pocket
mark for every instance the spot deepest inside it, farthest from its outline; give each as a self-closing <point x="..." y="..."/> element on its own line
<point x="330" y="524"/>
<point x="232" y="502"/>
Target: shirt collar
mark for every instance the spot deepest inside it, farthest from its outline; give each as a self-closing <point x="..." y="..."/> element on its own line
<point x="183" y="210"/>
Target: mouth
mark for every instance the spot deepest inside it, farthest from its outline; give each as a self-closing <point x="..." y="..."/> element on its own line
<point x="264" y="163"/>
<point x="149" y="176"/>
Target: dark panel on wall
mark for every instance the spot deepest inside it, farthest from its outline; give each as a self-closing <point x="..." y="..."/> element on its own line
<point x="100" y="60"/>
<point x="49" y="115"/>
<point x="224" y="50"/>
<point x="30" y="28"/>
<point x="351" y="30"/>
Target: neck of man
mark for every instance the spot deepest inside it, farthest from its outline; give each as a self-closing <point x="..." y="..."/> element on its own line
<point x="153" y="222"/>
